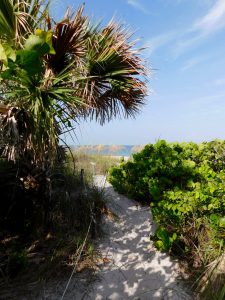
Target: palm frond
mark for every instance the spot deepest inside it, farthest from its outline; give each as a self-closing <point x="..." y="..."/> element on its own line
<point x="106" y="69"/>
<point x="7" y="20"/>
<point x="115" y="73"/>
<point x="69" y="41"/>
<point x="40" y="109"/>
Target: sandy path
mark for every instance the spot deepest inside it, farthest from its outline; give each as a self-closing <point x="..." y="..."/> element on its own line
<point x="133" y="268"/>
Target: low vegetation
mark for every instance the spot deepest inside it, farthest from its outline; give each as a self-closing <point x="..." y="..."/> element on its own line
<point x="184" y="183"/>
<point x="41" y="238"/>
<point x="94" y="164"/>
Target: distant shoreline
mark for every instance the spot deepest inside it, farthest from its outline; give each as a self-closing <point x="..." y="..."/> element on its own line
<point x="110" y="150"/>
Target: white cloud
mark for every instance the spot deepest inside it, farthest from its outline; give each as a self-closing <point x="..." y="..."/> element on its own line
<point x="210" y="23"/>
<point x="193" y="36"/>
<point x="186" y="43"/>
<point x="194" y="62"/>
<point x="136" y="4"/>
<point x="215" y="99"/>
<point x="220" y="81"/>
<point x="160" y="40"/>
<point x="199" y="2"/>
<point x="213" y="20"/>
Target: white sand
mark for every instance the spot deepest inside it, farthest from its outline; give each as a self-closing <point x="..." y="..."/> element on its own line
<point x="135" y="269"/>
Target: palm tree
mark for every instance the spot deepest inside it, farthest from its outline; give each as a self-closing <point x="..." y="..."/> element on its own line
<point x="53" y="74"/>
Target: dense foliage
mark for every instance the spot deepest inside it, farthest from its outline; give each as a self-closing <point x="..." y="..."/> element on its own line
<point x="52" y="74"/>
<point x="185" y="186"/>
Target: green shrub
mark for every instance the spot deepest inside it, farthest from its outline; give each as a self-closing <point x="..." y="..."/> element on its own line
<point x="185" y="186"/>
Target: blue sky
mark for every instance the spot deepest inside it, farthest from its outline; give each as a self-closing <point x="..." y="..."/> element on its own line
<point x="185" y="41"/>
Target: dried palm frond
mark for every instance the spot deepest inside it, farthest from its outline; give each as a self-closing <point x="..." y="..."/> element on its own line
<point x="69" y="41"/>
<point x="107" y="72"/>
<point x="19" y="18"/>
<point x="113" y="74"/>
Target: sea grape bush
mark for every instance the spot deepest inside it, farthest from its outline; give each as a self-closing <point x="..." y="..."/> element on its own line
<point x="185" y="186"/>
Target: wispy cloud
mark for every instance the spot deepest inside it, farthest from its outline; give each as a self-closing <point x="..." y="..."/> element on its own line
<point x="213" y="20"/>
<point x="194" y="62"/>
<point x="220" y="81"/>
<point x="200" y="2"/>
<point x="206" y="101"/>
<point x="194" y="35"/>
<point x="137" y="4"/>
<point x="210" y="23"/>
<point x="160" y="40"/>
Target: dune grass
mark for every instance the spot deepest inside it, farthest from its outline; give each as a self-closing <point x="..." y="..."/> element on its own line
<point x="94" y="164"/>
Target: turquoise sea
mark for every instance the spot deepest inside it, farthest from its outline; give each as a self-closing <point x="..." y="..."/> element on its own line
<point x="115" y="150"/>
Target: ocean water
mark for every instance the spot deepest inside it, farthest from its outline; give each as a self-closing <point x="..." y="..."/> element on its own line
<point x="115" y="150"/>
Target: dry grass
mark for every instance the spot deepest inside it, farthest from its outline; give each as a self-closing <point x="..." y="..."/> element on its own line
<point x="34" y="258"/>
<point x="211" y="285"/>
<point x="95" y="164"/>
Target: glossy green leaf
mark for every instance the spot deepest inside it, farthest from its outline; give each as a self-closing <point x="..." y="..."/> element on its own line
<point x="40" y="42"/>
<point x="29" y="60"/>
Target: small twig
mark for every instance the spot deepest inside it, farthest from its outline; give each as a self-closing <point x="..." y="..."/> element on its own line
<point x="78" y="258"/>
